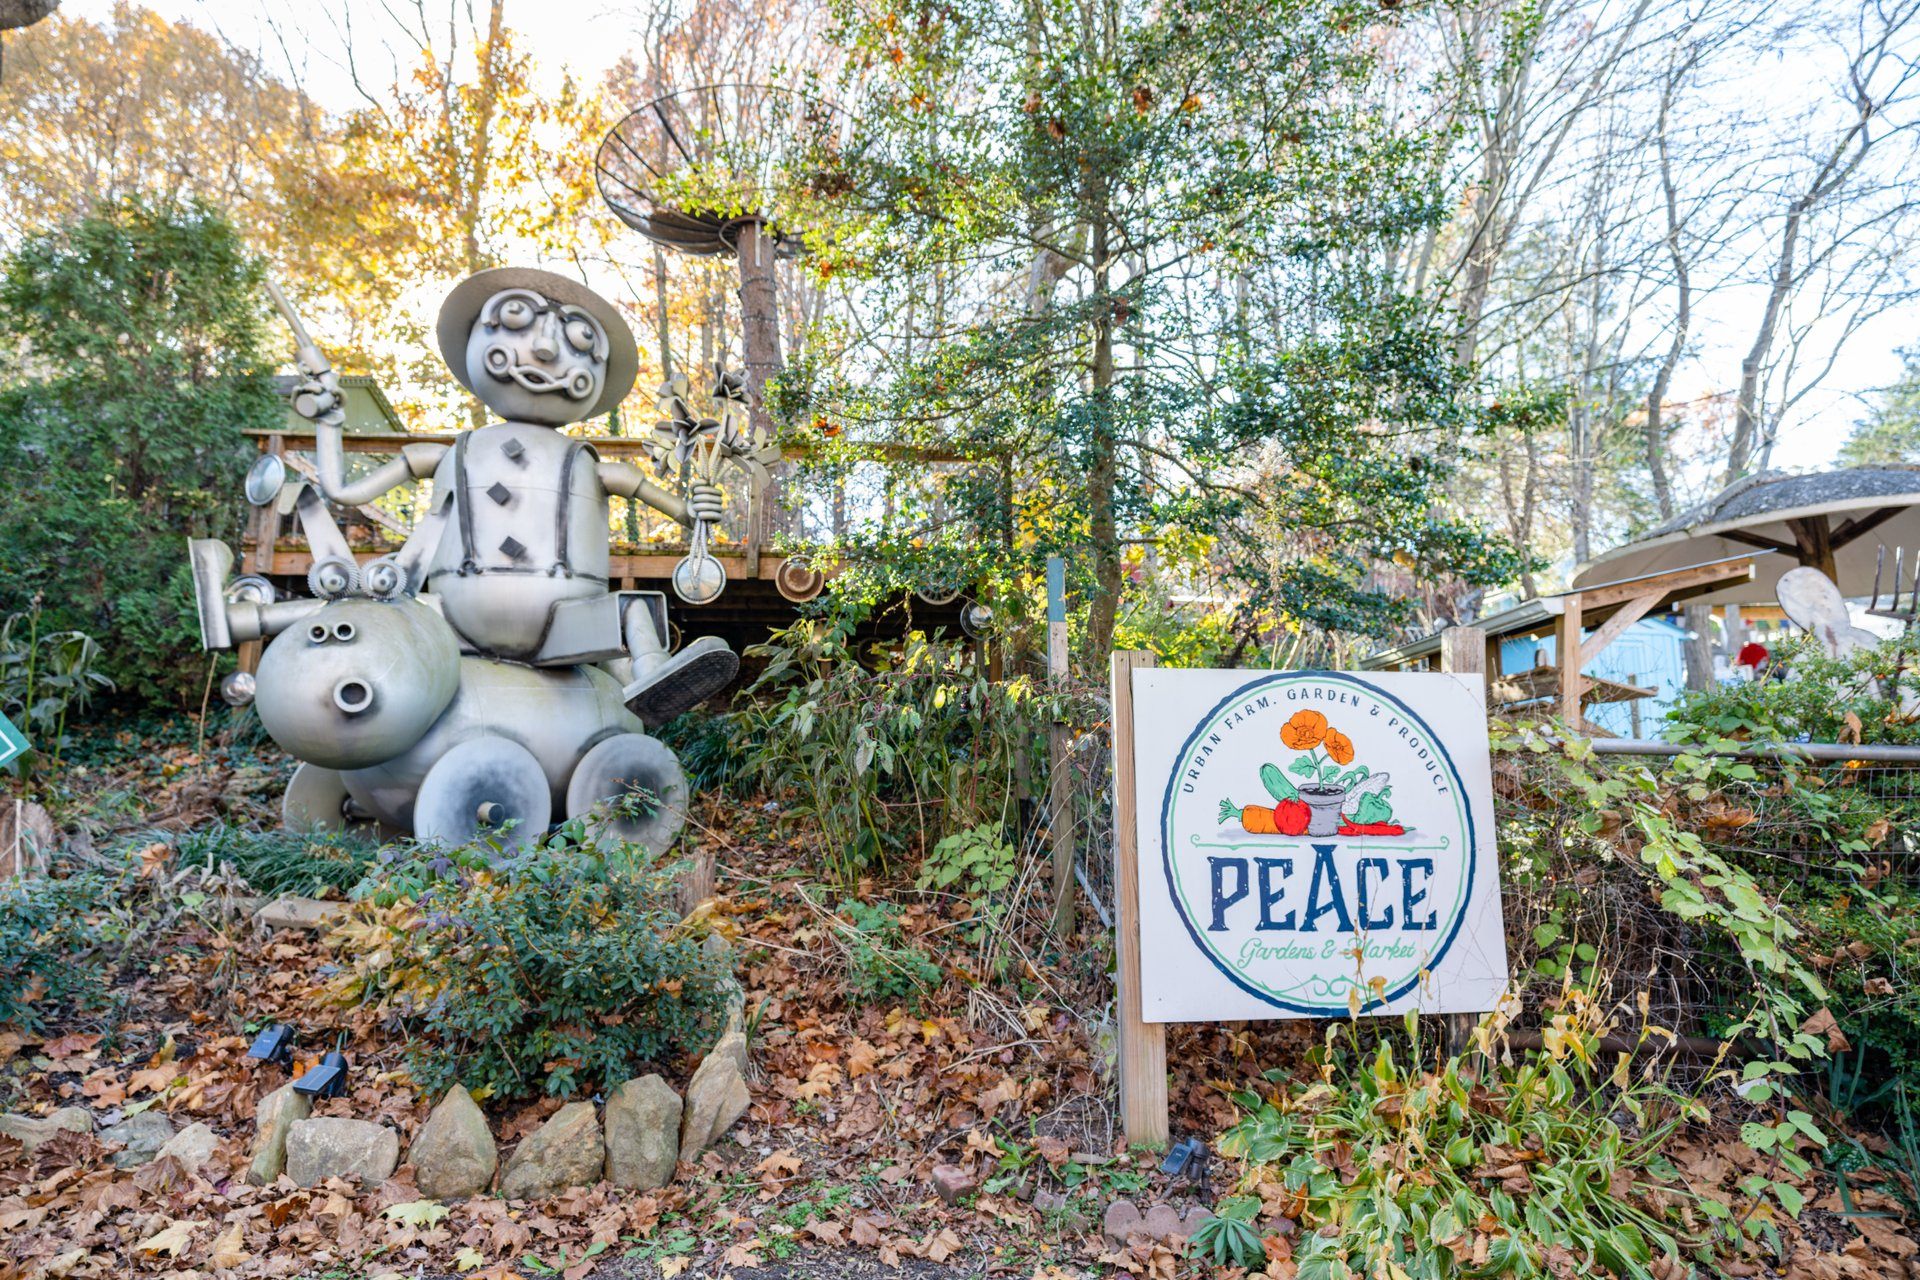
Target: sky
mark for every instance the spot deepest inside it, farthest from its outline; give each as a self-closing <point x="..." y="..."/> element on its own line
<point x="585" y="37"/>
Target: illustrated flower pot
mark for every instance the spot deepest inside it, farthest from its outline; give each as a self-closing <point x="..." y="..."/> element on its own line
<point x="1323" y="804"/>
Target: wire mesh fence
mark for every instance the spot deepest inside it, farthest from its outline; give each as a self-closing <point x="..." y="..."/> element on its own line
<point x="1574" y="894"/>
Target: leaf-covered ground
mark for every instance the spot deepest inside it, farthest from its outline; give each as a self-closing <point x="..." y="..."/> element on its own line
<point x="1002" y="1069"/>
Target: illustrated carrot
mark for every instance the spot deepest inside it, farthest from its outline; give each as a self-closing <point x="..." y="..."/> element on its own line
<point x="1253" y="819"/>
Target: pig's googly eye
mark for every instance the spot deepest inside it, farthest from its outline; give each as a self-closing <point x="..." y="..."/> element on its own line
<point x="343" y="631"/>
<point x="580" y="336"/>
<point x="516" y="313"/>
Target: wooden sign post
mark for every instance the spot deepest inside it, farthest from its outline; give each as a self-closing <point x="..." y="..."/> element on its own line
<point x="1142" y="1044"/>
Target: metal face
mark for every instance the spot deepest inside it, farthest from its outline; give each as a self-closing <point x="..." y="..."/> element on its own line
<point x="535" y="360"/>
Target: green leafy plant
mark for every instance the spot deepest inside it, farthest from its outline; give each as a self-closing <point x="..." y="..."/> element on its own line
<point x="892" y="757"/>
<point x="1420" y="1169"/>
<point x="544" y="971"/>
<point x="883" y="967"/>
<point x="1229" y="1237"/>
<point x="280" y="861"/>
<point x="980" y="864"/>
<point x="55" y="955"/>
<point x="44" y="677"/>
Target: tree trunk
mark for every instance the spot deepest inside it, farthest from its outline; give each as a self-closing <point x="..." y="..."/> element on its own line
<point x="760" y="341"/>
<point x="1102" y="471"/>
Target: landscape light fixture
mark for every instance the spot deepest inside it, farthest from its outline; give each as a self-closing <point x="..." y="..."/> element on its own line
<point x="1188" y="1158"/>
<point x="274" y="1045"/>
<point x="327" y="1078"/>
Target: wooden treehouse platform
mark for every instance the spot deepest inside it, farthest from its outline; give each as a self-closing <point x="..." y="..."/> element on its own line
<point x="765" y="592"/>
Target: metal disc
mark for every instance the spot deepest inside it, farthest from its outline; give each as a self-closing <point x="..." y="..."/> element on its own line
<point x="315" y="801"/>
<point x="798" y="581"/>
<point x="631" y="763"/>
<point x="699" y="579"/>
<point x="477" y="788"/>
<point x="264" y="479"/>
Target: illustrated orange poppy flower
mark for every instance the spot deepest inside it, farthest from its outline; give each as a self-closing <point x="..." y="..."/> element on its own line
<point x="1339" y="746"/>
<point x="1304" y="731"/>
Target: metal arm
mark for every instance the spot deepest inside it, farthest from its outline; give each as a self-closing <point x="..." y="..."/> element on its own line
<point x="319" y="402"/>
<point x="629" y="481"/>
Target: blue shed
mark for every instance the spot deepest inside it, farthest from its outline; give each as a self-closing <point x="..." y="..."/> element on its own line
<point x="1650" y="653"/>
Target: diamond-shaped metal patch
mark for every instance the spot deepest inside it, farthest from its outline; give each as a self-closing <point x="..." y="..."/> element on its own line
<point x="512" y="448"/>
<point x="500" y="493"/>
<point x="513" y="548"/>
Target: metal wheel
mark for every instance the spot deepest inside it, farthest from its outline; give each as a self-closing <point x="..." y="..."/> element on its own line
<point x="630" y="764"/>
<point x="479" y="787"/>
<point x="316" y="800"/>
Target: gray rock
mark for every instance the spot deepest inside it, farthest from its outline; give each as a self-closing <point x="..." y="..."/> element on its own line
<point x="453" y="1155"/>
<point x="1160" y="1222"/>
<point x="733" y="1045"/>
<point x="1122" y="1219"/>
<point x="335" y="1147"/>
<point x="643" y="1134"/>
<point x="34" y="1130"/>
<point x="142" y="1135"/>
<point x="564" y="1152"/>
<point x="273" y="1115"/>
<point x="192" y="1146"/>
<point x="716" y="1097"/>
<point x="292" y="912"/>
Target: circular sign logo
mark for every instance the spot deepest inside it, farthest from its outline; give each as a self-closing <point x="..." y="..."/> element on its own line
<point x="1317" y="843"/>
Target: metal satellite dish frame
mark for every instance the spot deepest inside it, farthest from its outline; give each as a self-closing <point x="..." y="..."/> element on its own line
<point x="704" y="127"/>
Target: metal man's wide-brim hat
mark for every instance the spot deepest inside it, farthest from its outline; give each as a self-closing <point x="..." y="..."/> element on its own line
<point x="464" y="304"/>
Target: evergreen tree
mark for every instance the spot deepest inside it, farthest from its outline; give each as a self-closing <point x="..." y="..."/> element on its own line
<point x="1145" y="249"/>
<point x="139" y="358"/>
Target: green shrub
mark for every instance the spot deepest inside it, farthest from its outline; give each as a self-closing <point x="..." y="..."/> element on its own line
<point x="54" y="956"/>
<point x="894" y="757"/>
<point x="142" y="356"/>
<point x="1556" y="1155"/>
<point x="1856" y="698"/>
<point x="547" y="971"/>
<point x="279" y="861"/>
<point x="712" y="760"/>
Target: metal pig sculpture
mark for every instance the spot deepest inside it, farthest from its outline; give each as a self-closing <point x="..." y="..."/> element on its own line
<point x="396" y="727"/>
<point x="485" y="674"/>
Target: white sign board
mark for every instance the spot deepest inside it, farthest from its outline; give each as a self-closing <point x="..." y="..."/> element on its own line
<point x="1315" y="844"/>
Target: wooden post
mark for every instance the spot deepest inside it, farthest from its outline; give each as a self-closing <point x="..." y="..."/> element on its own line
<point x="1463" y="651"/>
<point x="1568" y="646"/>
<point x="1698" y="620"/>
<point x="266" y="532"/>
<point x="1059" y="755"/>
<point x="1142" y="1045"/>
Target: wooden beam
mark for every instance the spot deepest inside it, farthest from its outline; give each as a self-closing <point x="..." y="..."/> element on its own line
<point x="1762" y="541"/>
<point x="1142" y="1044"/>
<point x="1852" y="529"/>
<point x="1572" y="684"/>
<point x="1625" y="616"/>
<point x="1700" y="576"/>
<point x="1815" y="536"/>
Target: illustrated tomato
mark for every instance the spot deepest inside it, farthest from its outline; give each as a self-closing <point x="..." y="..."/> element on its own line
<point x="1292" y="816"/>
